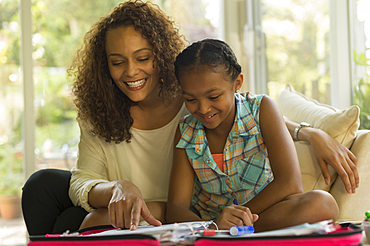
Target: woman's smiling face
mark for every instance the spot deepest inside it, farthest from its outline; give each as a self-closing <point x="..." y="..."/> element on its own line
<point x="131" y="63"/>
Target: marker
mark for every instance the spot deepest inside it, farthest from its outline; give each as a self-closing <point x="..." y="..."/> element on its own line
<point x="234" y="231"/>
<point x="241" y="230"/>
<point x="235" y="202"/>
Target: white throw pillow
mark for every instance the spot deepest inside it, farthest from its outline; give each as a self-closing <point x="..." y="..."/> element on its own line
<point x="342" y="125"/>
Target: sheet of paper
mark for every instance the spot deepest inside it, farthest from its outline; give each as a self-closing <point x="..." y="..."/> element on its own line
<point x="149" y="229"/>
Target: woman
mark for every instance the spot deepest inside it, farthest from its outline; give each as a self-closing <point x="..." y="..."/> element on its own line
<point x="128" y="110"/>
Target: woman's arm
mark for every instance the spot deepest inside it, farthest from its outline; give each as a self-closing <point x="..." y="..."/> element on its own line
<point x="282" y="156"/>
<point x="125" y="204"/>
<point x="180" y="188"/>
<point x="90" y="187"/>
<point x="328" y="151"/>
<point x="90" y="169"/>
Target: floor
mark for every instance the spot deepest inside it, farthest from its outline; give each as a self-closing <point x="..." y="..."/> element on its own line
<point x="13" y="232"/>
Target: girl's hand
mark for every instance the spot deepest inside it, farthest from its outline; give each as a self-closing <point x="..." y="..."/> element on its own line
<point x="127" y="205"/>
<point x="328" y="151"/>
<point x="235" y="215"/>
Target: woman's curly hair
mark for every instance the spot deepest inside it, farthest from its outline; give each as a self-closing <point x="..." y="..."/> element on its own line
<point x="97" y="98"/>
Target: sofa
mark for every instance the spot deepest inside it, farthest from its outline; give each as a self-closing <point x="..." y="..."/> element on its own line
<point x="343" y="126"/>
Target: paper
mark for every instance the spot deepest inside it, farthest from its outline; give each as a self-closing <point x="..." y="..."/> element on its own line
<point x="166" y="234"/>
<point x="141" y="230"/>
<point x="188" y="232"/>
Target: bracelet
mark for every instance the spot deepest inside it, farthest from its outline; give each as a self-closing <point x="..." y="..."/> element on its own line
<point x="299" y="127"/>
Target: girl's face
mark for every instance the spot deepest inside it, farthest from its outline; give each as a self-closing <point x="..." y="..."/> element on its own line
<point x="210" y="97"/>
<point x="131" y="63"/>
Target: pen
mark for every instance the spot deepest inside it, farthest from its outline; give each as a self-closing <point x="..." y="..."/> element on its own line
<point x="234" y="231"/>
<point x="235" y="202"/>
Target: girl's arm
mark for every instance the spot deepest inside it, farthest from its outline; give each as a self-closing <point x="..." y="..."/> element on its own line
<point x="283" y="159"/>
<point x="180" y="188"/>
<point x="328" y="151"/>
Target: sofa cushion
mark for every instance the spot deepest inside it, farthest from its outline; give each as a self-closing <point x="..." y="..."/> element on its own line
<point x="342" y="125"/>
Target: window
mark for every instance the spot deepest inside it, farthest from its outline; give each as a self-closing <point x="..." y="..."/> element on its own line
<point x="321" y="47"/>
<point x="11" y="101"/>
<point x="361" y="59"/>
<point x="297" y="46"/>
<point x="55" y="39"/>
<point x="197" y="19"/>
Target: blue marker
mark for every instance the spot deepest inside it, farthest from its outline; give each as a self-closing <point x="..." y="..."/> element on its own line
<point x="241" y="230"/>
<point x="235" y="202"/>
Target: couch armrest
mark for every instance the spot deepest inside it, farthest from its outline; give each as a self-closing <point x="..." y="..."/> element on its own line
<point x="354" y="206"/>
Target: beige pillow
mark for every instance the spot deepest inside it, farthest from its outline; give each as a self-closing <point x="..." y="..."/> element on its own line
<point x="342" y="125"/>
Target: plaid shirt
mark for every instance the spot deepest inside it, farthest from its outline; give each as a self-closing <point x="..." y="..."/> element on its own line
<point x="246" y="165"/>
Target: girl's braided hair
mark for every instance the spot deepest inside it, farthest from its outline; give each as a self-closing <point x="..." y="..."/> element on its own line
<point x="211" y="53"/>
<point x="98" y="100"/>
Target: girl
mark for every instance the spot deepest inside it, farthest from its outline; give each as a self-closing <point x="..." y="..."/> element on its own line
<point x="235" y="149"/>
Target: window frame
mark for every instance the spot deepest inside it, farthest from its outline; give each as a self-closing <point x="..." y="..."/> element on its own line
<point x="341" y="53"/>
<point x="28" y="118"/>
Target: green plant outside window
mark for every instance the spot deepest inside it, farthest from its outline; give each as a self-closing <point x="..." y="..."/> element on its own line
<point x="362" y="90"/>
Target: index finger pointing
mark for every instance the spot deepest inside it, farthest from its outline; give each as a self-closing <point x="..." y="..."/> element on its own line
<point x="135" y="214"/>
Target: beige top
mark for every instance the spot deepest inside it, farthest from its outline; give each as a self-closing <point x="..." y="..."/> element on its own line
<point x="146" y="161"/>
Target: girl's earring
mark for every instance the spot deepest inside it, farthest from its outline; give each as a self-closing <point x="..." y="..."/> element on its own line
<point x="237" y="91"/>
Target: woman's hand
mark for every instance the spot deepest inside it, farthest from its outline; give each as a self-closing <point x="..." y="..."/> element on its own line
<point x="328" y="151"/>
<point x="235" y="215"/>
<point x="127" y="205"/>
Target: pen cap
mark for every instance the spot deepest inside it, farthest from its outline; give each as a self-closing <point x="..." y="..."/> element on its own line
<point x="209" y="232"/>
<point x="241" y="230"/>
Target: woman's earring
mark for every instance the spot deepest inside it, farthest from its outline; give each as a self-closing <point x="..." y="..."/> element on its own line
<point x="237" y="91"/>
